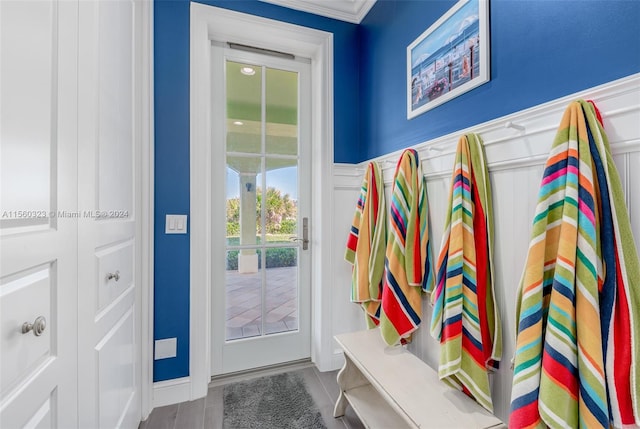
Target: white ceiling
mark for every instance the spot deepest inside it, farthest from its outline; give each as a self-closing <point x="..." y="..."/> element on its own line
<point x="344" y="10"/>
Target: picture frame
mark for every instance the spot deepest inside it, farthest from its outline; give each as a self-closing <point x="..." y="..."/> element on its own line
<point x="450" y="58"/>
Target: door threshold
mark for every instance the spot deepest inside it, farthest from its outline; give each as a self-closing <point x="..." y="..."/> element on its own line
<point x="232" y="377"/>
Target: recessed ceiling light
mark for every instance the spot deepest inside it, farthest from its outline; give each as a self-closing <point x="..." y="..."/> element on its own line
<point x="248" y="71"/>
<point x="238" y="123"/>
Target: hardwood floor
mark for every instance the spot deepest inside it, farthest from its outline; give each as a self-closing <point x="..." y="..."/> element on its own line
<point x="206" y="413"/>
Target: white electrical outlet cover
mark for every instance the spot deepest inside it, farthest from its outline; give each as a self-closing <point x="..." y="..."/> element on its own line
<point x="166" y="348"/>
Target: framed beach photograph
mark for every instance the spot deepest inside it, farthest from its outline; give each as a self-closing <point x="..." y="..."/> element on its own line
<point x="450" y="58"/>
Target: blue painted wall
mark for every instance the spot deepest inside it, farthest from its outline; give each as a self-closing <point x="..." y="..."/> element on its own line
<point x="540" y="50"/>
<point x="171" y="252"/>
<point x="171" y="32"/>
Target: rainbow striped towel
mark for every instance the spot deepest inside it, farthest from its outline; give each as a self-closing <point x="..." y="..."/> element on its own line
<point x="465" y="319"/>
<point x="408" y="261"/>
<point x="577" y="345"/>
<point x="366" y="245"/>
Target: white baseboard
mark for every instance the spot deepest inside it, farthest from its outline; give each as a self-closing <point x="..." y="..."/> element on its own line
<point x="171" y="391"/>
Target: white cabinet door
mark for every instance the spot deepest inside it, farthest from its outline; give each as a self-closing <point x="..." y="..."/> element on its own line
<point x="38" y="189"/>
<point x="109" y="367"/>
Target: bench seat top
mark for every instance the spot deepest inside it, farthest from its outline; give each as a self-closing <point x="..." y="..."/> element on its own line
<point x="410" y="386"/>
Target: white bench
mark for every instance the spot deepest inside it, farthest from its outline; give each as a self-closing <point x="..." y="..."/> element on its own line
<point x="389" y="387"/>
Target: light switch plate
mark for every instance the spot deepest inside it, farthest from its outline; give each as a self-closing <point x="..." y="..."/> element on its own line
<point x="175" y="224"/>
<point x="166" y="348"/>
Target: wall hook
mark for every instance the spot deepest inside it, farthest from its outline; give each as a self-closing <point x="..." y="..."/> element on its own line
<point x="434" y="149"/>
<point x="510" y="124"/>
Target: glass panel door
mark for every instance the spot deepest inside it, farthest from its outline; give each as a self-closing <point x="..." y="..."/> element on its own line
<point x="266" y="281"/>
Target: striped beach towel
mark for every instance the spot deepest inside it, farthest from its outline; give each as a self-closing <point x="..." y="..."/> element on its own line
<point x="620" y="287"/>
<point x="465" y="319"/>
<point x="366" y="245"/>
<point x="408" y="261"/>
<point x="577" y="351"/>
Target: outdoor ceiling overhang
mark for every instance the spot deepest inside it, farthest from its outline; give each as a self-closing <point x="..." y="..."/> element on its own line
<point x="281" y="139"/>
<point x="245" y="126"/>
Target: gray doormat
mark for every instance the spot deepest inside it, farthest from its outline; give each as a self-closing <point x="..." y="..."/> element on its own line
<point x="275" y="402"/>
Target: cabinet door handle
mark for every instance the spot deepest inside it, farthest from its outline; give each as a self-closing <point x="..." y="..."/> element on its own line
<point x="115" y="276"/>
<point x="37" y="326"/>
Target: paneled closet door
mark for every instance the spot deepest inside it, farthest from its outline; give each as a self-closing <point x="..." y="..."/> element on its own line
<point x="109" y="135"/>
<point x="38" y="234"/>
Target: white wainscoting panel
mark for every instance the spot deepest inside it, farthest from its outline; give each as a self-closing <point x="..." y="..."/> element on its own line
<point x="345" y="316"/>
<point x="516" y="160"/>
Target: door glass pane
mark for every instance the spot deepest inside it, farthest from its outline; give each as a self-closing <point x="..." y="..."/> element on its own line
<point x="243" y="288"/>
<point x="233" y="207"/>
<point x="282" y="200"/>
<point x="243" y="200"/>
<point x="281" y="298"/>
<point x="281" y="112"/>
<point x="244" y="108"/>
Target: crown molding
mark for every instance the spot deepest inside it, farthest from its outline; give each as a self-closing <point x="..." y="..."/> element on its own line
<point x="352" y="11"/>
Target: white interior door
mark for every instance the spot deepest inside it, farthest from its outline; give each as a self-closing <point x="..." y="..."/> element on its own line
<point x="261" y="267"/>
<point x="38" y="260"/>
<point x="109" y="365"/>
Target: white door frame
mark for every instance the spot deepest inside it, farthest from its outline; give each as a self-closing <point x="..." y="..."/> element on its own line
<point x="214" y="24"/>
<point x="145" y="209"/>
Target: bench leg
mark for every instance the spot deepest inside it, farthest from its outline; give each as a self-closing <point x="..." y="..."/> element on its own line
<point x="348" y="378"/>
<point x="341" y="406"/>
<point x="341" y="403"/>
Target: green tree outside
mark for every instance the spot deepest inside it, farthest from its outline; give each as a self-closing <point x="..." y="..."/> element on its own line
<point x="280" y="221"/>
<point x="281" y="213"/>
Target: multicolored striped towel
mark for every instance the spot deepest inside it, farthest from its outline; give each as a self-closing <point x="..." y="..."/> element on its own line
<point x="577" y="345"/>
<point x="408" y="261"/>
<point x="366" y="245"/>
<point x="465" y="318"/>
<point x="619" y="289"/>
